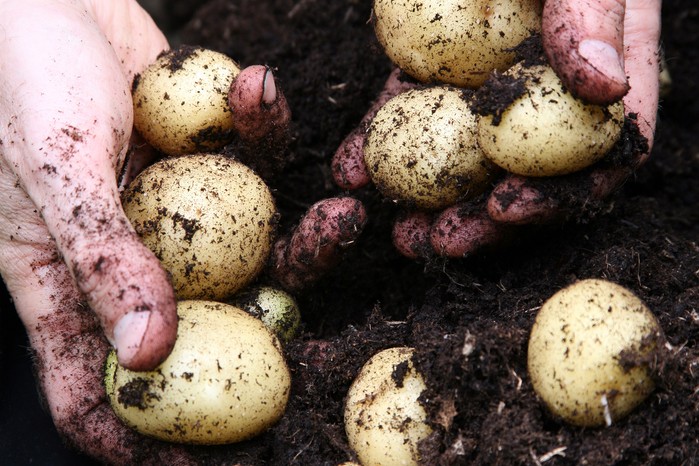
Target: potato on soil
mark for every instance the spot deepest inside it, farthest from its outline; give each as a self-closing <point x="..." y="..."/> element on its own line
<point x="181" y="101"/>
<point x="225" y="381"/>
<point x="384" y="420"/>
<point x="457" y="43"/>
<point x="421" y="148"/>
<point x="276" y="308"/>
<point x="209" y="219"/>
<point x="589" y="352"/>
<point x="546" y="131"/>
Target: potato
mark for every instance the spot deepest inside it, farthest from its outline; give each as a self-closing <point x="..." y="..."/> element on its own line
<point x="546" y="131"/>
<point x="457" y="43"/>
<point x="181" y="101"/>
<point x="209" y="219"/>
<point x="421" y="148"/>
<point x="384" y="421"/>
<point x="276" y="308"/>
<point x="225" y="381"/>
<point x="589" y="351"/>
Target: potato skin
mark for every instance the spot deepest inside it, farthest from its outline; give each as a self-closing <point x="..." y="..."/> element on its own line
<point x="181" y="101"/>
<point x="421" y="148"/>
<point x="457" y="43"/>
<point x="592" y="339"/>
<point x="209" y="219"/>
<point x="225" y="381"/>
<point x="547" y="131"/>
<point x="384" y="421"/>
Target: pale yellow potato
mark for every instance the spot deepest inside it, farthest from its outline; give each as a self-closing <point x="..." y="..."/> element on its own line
<point x="181" y="101"/>
<point x="547" y="131"/>
<point x="384" y="421"/>
<point x="421" y="148"/>
<point x="588" y="352"/>
<point x="225" y="381"/>
<point x="454" y="42"/>
<point x="209" y="219"/>
<point x="276" y="308"/>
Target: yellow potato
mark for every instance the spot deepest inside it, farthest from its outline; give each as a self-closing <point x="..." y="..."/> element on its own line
<point x="547" y="131"/>
<point x="181" y="101"/>
<point x="209" y="219"/>
<point x="421" y="148"/>
<point x="225" y="381"/>
<point x="451" y="42"/>
<point x="588" y="352"/>
<point x="276" y="308"/>
<point x="384" y="421"/>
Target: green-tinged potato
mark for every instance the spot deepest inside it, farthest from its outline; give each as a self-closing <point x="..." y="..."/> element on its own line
<point x="451" y="42"/>
<point x="589" y="352"/>
<point x="225" y="381"/>
<point x="384" y="420"/>
<point x="546" y="131"/>
<point x="181" y="101"/>
<point x="276" y="308"/>
<point x="421" y="148"/>
<point x="209" y="219"/>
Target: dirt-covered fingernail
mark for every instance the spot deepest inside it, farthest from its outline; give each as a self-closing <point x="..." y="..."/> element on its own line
<point x="269" y="88"/>
<point x="129" y="333"/>
<point x="604" y="58"/>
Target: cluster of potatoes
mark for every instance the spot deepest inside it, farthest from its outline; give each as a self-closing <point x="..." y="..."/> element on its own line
<point x="211" y="222"/>
<point x="589" y="357"/>
<point x="591" y="344"/>
<point x="427" y="147"/>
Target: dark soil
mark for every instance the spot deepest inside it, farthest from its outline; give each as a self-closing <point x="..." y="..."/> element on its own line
<point x="481" y="405"/>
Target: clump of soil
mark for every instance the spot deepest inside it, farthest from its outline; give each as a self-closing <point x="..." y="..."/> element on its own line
<point x="469" y="319"/>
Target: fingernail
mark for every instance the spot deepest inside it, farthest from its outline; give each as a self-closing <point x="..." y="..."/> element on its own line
<point x="129" y="333"/>
<point x="269" y="88"/>
<point x="604" y="58"/>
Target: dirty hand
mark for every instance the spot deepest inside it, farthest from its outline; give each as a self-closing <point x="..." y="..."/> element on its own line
<point x="79" y="276"/>
<point x="603" y="50"/>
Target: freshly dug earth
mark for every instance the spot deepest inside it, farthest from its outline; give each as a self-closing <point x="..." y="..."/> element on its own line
<point x="469" y="319"/>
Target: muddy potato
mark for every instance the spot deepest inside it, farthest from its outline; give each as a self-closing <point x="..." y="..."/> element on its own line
<point x="276" y="308"/>
<point x="181" y="101"/>
<point x="209" y="219"/>
<point x="457" y="43"/>
<point x="589" y="351"/>
<point x="421" y="148"/>
<point x="225" y="381"/>
<point x="546" y="131"/>
<point x="384" y="421"/>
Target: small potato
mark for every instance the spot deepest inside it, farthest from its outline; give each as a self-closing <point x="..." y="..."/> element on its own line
<point x="546" y="131"/>
<point x="225" y="381"/>
<point x="276" y="308"/>
<point x="589" y="350"/>
<point x="181" y="101"/>
<point x="209" y="219"/>
<point x="384" y="421"/>
<point x="457" y="43"/>
<point x="421" y="148"/>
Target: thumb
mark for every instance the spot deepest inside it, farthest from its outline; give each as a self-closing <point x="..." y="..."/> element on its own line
<point x="69" y="113"/>
<point x="583" y="40"/>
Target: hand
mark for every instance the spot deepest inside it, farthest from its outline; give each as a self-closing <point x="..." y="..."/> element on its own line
<point x="603" y="50"/>
<point x="66" y="248"/>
